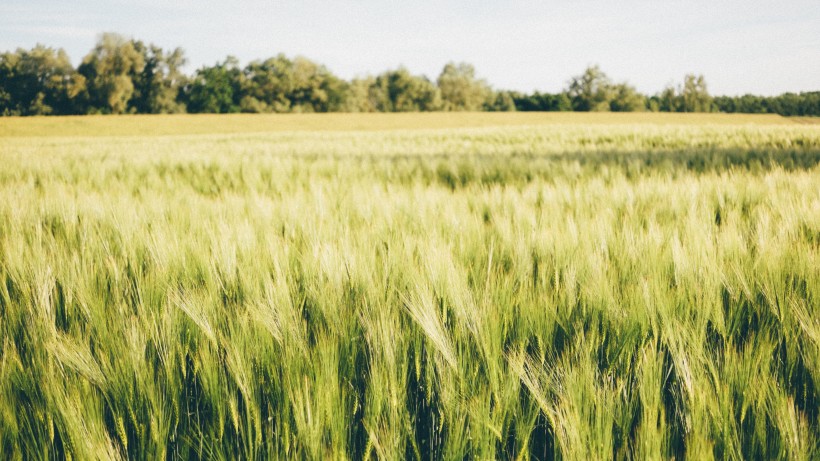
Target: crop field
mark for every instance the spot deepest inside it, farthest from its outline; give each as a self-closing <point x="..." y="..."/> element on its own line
<point x="425" y="286"/>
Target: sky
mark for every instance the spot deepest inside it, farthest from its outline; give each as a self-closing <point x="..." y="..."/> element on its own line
<point x="753" y="46"/>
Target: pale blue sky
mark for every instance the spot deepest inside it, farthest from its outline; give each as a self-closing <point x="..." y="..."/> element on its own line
<point x="755" y="46"/>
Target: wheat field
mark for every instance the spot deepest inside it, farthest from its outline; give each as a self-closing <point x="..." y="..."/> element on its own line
<point x="417" y="286"/>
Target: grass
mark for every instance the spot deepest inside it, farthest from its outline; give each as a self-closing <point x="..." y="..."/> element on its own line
<point x="466" y="287"/>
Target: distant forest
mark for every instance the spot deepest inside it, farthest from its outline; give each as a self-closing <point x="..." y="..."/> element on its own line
<point x="126" y="76"/>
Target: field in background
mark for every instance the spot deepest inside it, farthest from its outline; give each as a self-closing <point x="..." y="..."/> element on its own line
<point x="420" y="286"/>
<point x="158" y="125"/>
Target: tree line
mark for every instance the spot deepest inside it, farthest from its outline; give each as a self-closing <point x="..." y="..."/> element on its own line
<point x="121" y="75"/>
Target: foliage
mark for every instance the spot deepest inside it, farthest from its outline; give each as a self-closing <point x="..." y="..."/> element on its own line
<point x="362" y="95"/>
<point x="110" y="70"/>
<point x="277" y="84"/>
<point x="500" y="101"/>
<point x="692" y="96"/>
<point x="122" y="75"/>
<point x="786" y="104"/>
<point x="461" y="90"/>
<point x="216" y="89"/>
<point x="38" y="82"/>
<point x="543" y="102"/>
<point x="157" y="88"/>
<point x="399" y="91"/>
<point x="695" y="97"/>
<point x="591" y="91"/>
<point x="626" y="99"/>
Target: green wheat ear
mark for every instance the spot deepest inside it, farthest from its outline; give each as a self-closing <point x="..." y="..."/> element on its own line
<point x="368" y="448"/>
<point x="121" y="432"/>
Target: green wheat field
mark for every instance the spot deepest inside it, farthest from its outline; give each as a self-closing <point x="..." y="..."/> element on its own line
<point x="423" y="286"/>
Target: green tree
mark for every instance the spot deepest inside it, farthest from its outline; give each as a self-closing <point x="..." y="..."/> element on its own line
<point x="39" y="81"/>
<point x="314" y="88"/>
<point x="268" y="85"/>
<point x="279" y="84"/>
<point x="361" y="95"/>
<point x="785" y="104"/>
<point x="501" y="101"/>
<point x="542" y="102"/>
<point x="691" y="96"/>
<point x="216" y="89"/>
<point x="695" y="97"/>
<point x="400" y="91"/>
<point x="809" y="104"/>
<point x="591" y="91"/>
<point x="561" y="103"/>
<point x="461" y="90"/>
<point x="669" y="100"/>
<point x="752" y="104"/>
<point x="110" y="70"/>
<point x="626" y="99"/>
<point x="157" y="87"/>
<point x="725" y="104"/>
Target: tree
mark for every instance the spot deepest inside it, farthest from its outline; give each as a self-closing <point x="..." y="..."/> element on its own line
<point x="590" y="91"/>
<point x="626" y="99"/>
<point x="594" y="91"/>
<point x="279" y="84"/>
<point x="725" y="104"/>
<point x="216" y="89"/>
<point x="561" y="103"/>
<point x="695" y="97"/>
<point x="314" y="88"/>
<point x="122" y="75"/>
<point x="461" y="90"/>
<point x="358" y="95"/>
<point x="399" y="91"/>
<point x="40" y="81"/>
<point x="809" y="104"/>
<point x="786" y="104"/>
<point x="669" y="101"/>
<point x="157" y="87"/>
<point x="501" y="101"/>
<point x="692" y="96"/>
<point x="543" y="102"/>
<point x="268" y="84"/>
<point x="527" y="102"/>
<point x="110" y="70"/>
<point x="751" y="104"/>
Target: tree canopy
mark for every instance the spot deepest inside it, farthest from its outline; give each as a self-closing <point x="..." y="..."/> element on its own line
<point x="122" y="75"/>
<point x="461" y="90"/>
<point x="39" y="81"/>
